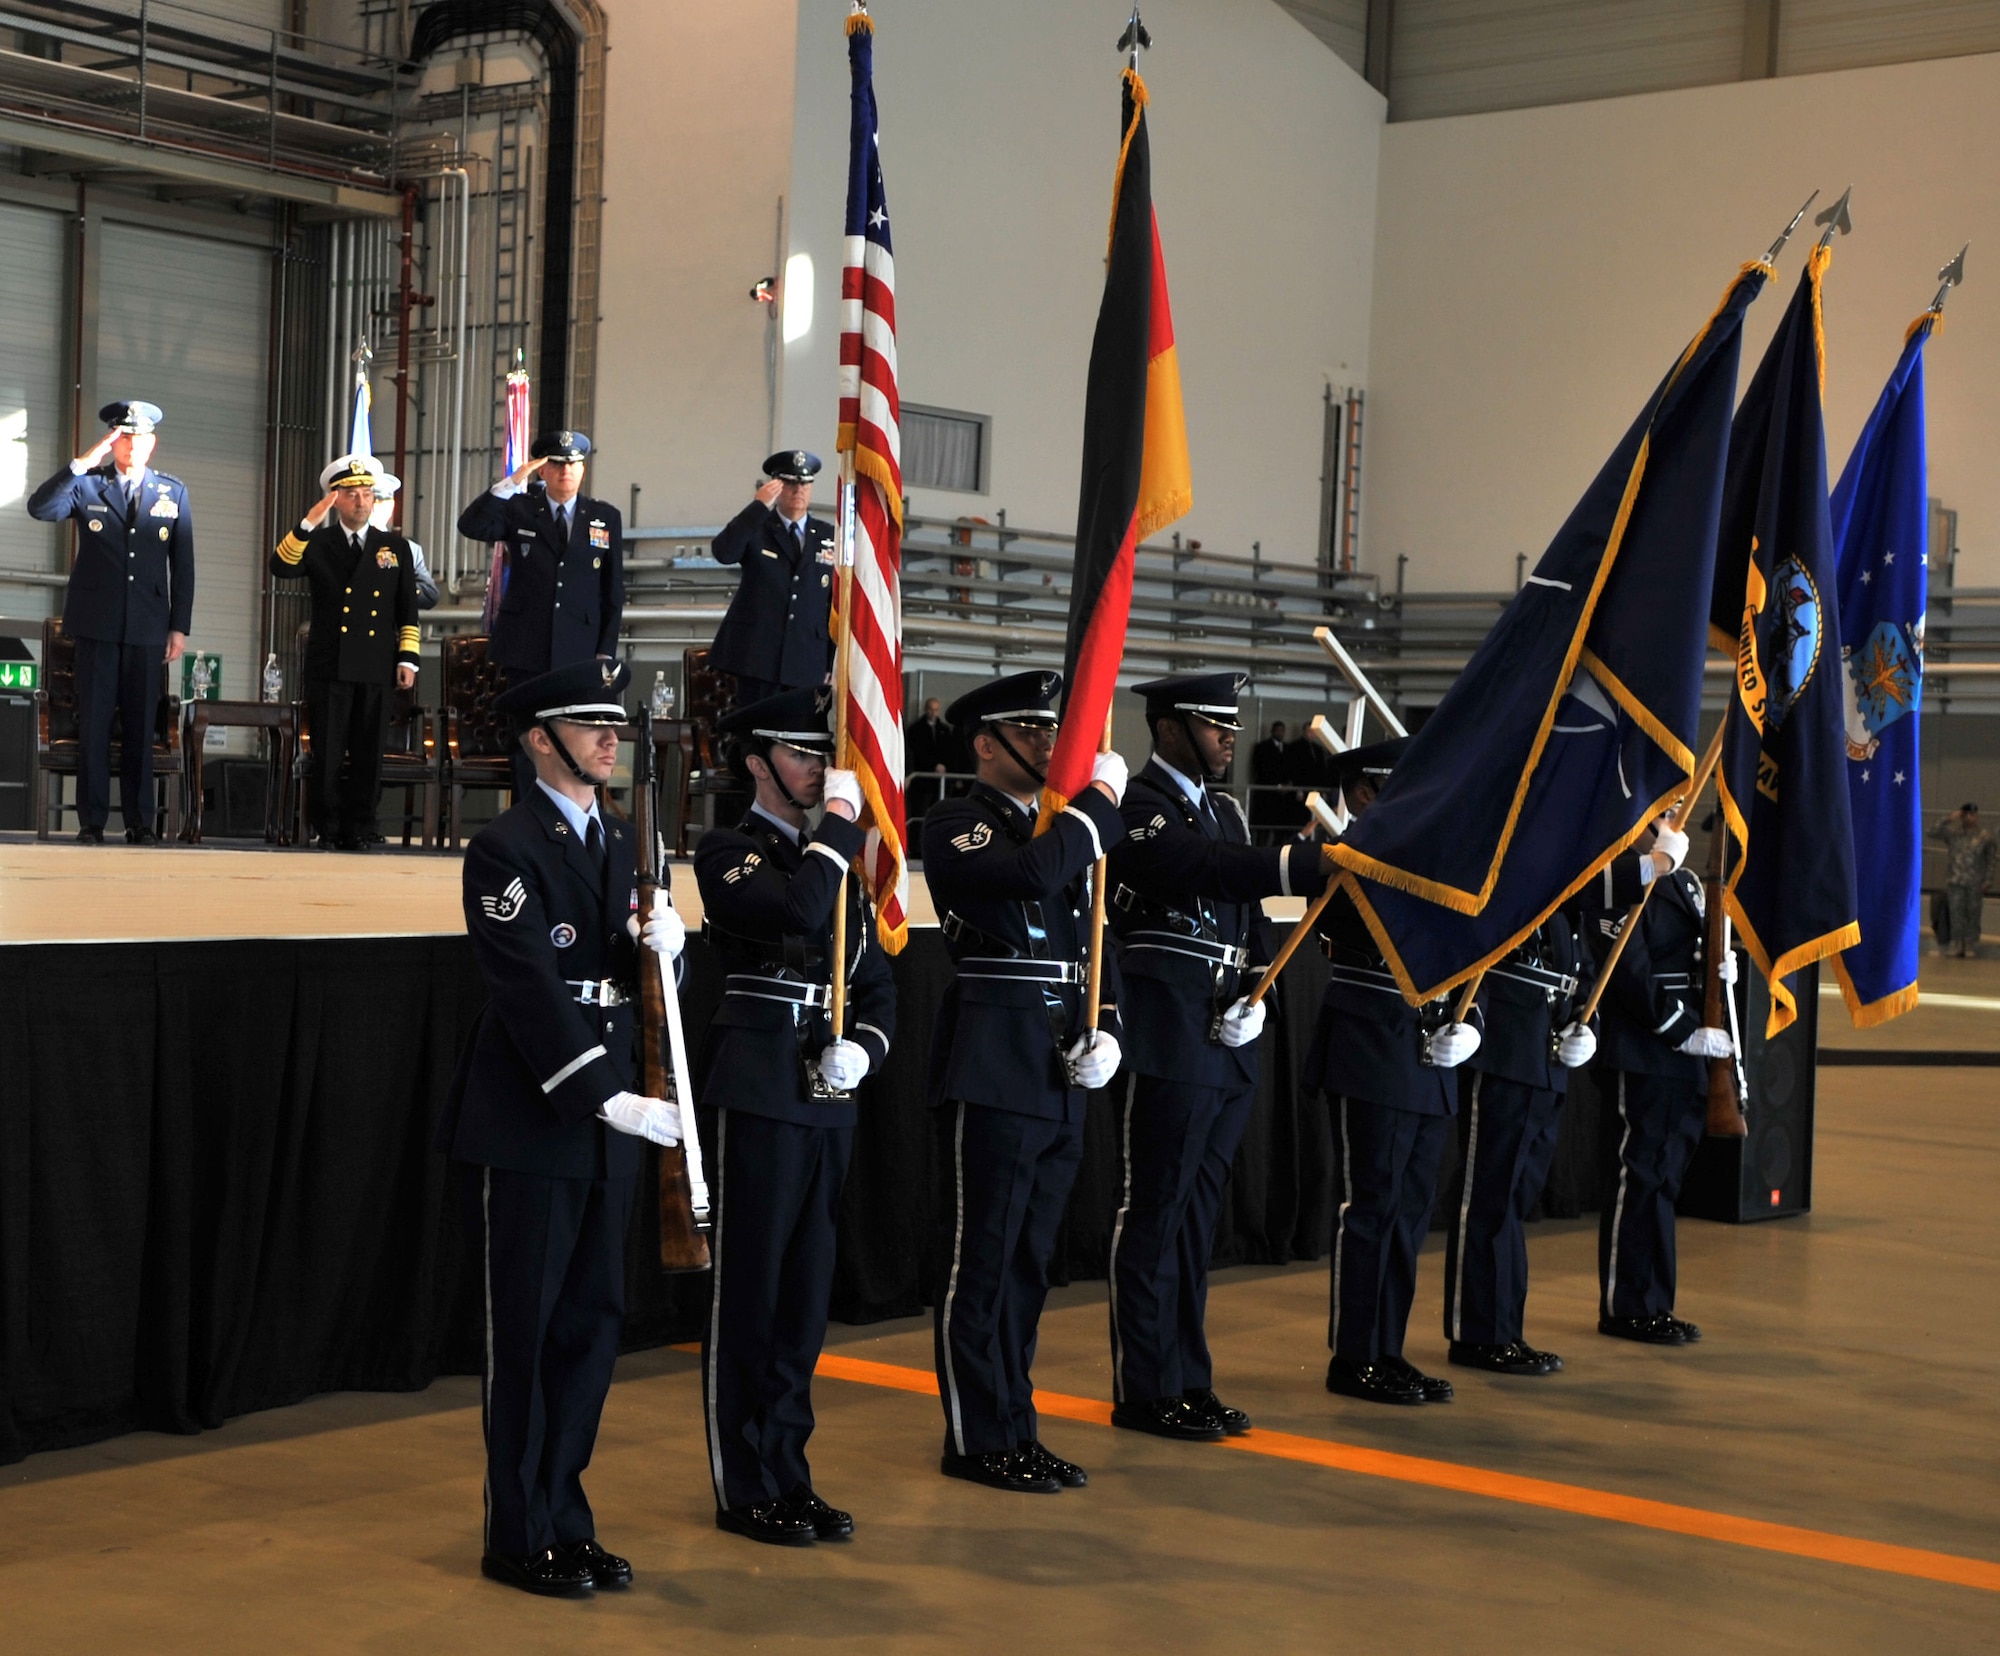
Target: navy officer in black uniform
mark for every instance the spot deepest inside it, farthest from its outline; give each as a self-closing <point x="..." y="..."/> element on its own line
<point x="778" y="632"/>
<point x="1186" y="890"/>
<point x="563" y="577"/>
<point x="362" y="583"/>
<point x="1011" y="1061"/>
<point x="782" y="1081"/>
<point x="543" y="1128"/>
<point x="1652" y="1071"/>
<point x="129" y="605"/>
<point x="1511" y="1100"/>
<point x="1385" y="1067"/>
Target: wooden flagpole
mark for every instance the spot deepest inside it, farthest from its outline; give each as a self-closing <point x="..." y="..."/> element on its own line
<point x="843" y="650"/>
<point x="1095" y="984"/>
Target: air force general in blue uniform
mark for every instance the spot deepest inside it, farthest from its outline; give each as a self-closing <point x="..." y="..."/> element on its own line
<point x="777" y="634"/>
<point x="129" y="604"/>
<point x="1010" y="1066"/>
<point x="782" y="1082"/>
<point x="543" y="1127"/>
<point x="1186" y="891"/>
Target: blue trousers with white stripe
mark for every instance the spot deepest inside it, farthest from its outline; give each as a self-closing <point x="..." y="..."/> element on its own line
<point x="1507" y="1131"/>
<point x="1656" y="1122"/>
<point x="1178" y="1143"/>
<point x="552" y="1253"/>
<point x="1385" y="1173"/>
<point x="777" y="1199"/>
<point x="1008" y="1179"/>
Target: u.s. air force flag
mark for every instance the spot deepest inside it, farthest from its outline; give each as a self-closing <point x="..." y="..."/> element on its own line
<point x="1574" y="724"/>
<point x="1880" y="522"/>
<point x="1789" y="880"/>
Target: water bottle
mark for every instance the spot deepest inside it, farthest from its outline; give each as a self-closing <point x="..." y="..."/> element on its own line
<point x="274" y="679"/>
<point x="663" y="696"/>
<point x="199" y="677"/>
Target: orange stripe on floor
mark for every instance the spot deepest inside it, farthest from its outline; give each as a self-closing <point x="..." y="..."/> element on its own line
<point x="1507" y="1486"/>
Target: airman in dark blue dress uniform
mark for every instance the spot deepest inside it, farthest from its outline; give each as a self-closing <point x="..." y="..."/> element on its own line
<point x="1010" y="1065"/>
<point x="543" y="1128"/>
<point x="1385" y="1067"/>
<point x="1186" y="890"/>
<point x="782" y="1083"/>
<point x="1511" y="1096"/>
<point x="1651" y="1069"/>
<point x="129" y="605"/>
<point x="777" y="634"/>
<point x="563" y="579"/>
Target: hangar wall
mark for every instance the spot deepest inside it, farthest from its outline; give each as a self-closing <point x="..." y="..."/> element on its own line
<point x="1537" y="270"/>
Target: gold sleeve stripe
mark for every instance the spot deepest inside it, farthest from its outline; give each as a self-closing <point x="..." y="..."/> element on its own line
<point x="291" y="549"/>
<point x="409" y="640"/>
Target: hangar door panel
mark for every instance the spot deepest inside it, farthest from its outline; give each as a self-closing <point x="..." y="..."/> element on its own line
<point x="32" y="426"/>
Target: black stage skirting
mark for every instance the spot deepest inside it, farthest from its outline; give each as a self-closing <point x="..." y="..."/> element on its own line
<point x="217" y="1191"/>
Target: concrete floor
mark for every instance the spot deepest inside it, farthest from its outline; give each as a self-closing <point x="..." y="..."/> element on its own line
<point x="1846" y="1387"/>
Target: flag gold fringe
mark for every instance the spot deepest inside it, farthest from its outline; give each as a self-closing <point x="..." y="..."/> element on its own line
<point x="1140" y="98"/>
<point x="1869" y="1014"/>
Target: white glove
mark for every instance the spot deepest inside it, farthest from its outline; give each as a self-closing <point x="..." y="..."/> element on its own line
<point x="1708" y="1043"/>
<point x="842" y="787"/>
<point x="658" y="1119"/>
<point x="1452" y="1045"/>
<point x="1111" y="770"/>
<point x="1575" y="1047"/>
<point x="664" y="932"/>
<point x="842" y="1065"/>
<point x="1242" y="1023"/>
<point x="1726" y="967"/>
<point x="1091" y="1066"/>
<point x="1670" y="842"/>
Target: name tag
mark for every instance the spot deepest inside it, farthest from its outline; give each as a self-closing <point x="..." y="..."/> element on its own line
<point x="767" y="551"/>
<point x="600" y="536"/>
<point x="166" y="507"/>
<point x="525" y="534"/>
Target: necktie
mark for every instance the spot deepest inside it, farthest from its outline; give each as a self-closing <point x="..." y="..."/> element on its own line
<point x="355" y="542"/>
<point x="594" y="843"/>
<point x="562" y="523"/>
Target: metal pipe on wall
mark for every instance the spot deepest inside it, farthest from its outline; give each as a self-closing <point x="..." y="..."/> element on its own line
<point x="458" y="394"/>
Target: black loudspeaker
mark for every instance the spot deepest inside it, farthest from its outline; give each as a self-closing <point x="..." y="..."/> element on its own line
<point x="1767" y="1175"/>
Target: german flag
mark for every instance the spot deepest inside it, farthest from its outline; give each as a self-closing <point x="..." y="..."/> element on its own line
<point x="1135" y="460"/>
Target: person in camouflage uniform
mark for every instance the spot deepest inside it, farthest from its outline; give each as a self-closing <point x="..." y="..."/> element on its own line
<point x="1971" y="851"/>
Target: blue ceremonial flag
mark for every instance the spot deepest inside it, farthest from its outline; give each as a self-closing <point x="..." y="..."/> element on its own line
<point x="1574" y="724"/>
<point x="1789" y="874"/>
<point x="360" y="437"/>
<point x="1880" y="529"/>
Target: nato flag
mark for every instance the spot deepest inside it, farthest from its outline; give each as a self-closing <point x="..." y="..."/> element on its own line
<point x="1790" y="864"/>
<point x="1880" y="530"/>
<point x="1574" y="723"/>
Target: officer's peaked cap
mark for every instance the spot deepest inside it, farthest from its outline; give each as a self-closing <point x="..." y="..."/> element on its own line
<point x="130" y="415"/>
<point x="585" y="692"/>
<point x="386" y="485"/>
<point x="1019" y="698"/>
<point x="798" y="718"/>
<point x="792" y="466"/>
<point x="1210" y="697"/>
<point x="560" y="445"/>
<point x="351" y="471"/>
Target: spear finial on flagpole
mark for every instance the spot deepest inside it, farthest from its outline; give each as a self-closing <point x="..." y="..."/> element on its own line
<point x="1836" y="218"/>
<point x="1948" y="278"/>
<point x="1134" y="40"/>
<point x="1785" y="234"/>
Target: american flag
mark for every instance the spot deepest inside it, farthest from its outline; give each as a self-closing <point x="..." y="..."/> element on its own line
<point x="871" y="683"/>
<point x="517" y="452"/>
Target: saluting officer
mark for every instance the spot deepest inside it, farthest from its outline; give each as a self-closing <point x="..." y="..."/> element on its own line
<point x="363" y="642"/>
<point x="543" y="1127"/>
<point x="1511" y="1099"/>
<point x="1186" y="904"/>
<point x="1652" y="1071"/>
<point x="1385" y="1067"/>
<point x="782" y="1081"/>
<point x="1011" y="1062"/>
<point x="563" y="577"/>
<point x="129" y="604"/>
<point x="777" y="634"/>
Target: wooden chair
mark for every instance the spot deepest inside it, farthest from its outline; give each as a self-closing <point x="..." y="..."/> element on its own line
<point x="700" y="771"/>
<point x="59" y="747"/>
<point x="478" y="742"/>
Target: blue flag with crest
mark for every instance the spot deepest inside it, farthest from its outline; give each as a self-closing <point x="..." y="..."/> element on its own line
<point x="1881" y="516"/>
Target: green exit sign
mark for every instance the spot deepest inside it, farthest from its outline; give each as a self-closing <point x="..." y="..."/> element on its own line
<point x="18" y="675"/>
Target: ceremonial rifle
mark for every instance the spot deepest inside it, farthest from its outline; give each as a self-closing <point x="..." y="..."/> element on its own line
<point x="1725" y="1091"/>
<point x="662" y="1040"/>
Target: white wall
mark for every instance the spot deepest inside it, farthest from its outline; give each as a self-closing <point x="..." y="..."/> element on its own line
<point x="1537" y="271"/>
<point x="697" y="151"/>
<point x="999" y="138"/>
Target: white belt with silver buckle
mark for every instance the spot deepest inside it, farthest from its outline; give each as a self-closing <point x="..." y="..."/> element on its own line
<point x="597" y="992"/>
<point x="756" y="987"/>
<point x="1000" y="970"/>
<point x="1195" y="948"/>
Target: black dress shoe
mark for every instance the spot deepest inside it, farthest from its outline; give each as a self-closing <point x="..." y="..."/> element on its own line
<point x="1002" y="1469"/>
<point x="1371" y="1382"/>
<point x="829" y="1523"/>
<point x="90" y="836"/>
<point x="604" y="1569"/>
<point x="1066" y="1473"/>
<point x="1434" y="1390"/>
<point x="141" y="836"/>
<point x="1661" y="1330"/>
<point x="1689" y="1333"/>
<point x="550" y="1573"/>
<point x="1512" y="1358"/>
<point x="775" y="1523"/>
<point x="1167" y="1417"/>
<point x="1234" y="1422"/>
